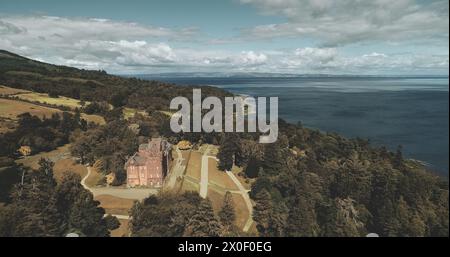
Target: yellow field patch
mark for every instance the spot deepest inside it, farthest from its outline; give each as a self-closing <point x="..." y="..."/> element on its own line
<point x="93" y="118"/>
<point x="130" y="112"/>
<point x="12" y="108"/>
<point x="45" y="99"/>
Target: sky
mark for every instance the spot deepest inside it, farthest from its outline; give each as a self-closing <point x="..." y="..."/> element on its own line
<point x="363" y="37"/>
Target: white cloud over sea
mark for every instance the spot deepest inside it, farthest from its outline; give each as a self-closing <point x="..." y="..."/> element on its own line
<point x="128" y="47"/>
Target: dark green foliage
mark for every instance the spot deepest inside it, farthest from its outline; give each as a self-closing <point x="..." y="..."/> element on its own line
<point x="85" y="216"/>
<point x="203" y="222"/>
<point x="53" y="94"/>
<point x="87" y="85"/>
<point x="110" y="143"/>
<point x="112" y="222"/>
<point x="164" y="215"/>
<point x="40" y="135"/>
<point x="226" y="154"/>
<point x="179" y="215"/>
<point x="96" y="108"/>
<point x="230" y="152"/>
<point x="253" y="167"/>
<point x="9" y="175"/>
<point x="262" y="212"/>
<point x="227" y="214"/>
<point x="341" y="187"/>
<point x="39" y="207"/>
<point x="274" y="160"/>
<point x="302" y="219"/>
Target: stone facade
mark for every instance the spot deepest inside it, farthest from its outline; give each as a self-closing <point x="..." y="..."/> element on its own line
<point x="149" y="165"/>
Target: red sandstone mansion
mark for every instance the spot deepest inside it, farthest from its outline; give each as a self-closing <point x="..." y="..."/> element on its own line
<point x="149" y="165"/>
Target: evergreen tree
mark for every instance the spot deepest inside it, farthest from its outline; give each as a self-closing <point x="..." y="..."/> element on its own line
<point x="79" y="208"/>
<point x="227" y="214"/>
<point x="398" y="158"/>
<point x="226" y="154"/>
<point x="278" y="220"/>
<point x="136" y="212"/>
<point x="35" y="204"/>
<point x="262" y="212"/>
<point x="302" y="219"/>
<point x="204" y="223"/>
<point x="274" y="161"/>
<point x="86" y="217"/>
<point x="112" y="222"/>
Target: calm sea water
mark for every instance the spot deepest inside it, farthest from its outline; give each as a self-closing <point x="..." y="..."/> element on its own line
<point x="412" y="112"/>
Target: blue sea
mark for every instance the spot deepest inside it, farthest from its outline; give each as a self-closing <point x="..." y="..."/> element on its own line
<point x="391" y="111"/>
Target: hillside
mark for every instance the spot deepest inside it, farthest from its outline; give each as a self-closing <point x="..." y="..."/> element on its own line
<point x="87" y="85"/>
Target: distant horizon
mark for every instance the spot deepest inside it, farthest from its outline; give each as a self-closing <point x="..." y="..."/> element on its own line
<point x="407" y="37"/>
<point x="249" y="74"/>
<point x="279" y="75"/>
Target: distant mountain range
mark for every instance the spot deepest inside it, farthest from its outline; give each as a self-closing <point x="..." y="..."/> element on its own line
<point x="258" y="75"/>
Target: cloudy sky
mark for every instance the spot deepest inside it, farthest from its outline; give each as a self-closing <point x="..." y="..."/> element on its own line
<point x="385" y="37"/>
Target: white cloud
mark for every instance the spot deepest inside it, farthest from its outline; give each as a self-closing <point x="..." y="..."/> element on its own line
<point x="122" y="47"/>
<point x="252" y="58"/>
<point x="350" y="21"/>
<point x="59" y="28"/>
<point x="316" y="55"/>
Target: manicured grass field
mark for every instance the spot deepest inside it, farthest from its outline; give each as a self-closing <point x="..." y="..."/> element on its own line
<point x="115" y="205"/>
<point x="190" y="186"/>
<point x="246" y="183"/>
<point x="194" y="165"/>
<point x="218" y="177"/>
<point x="240" y="208"/>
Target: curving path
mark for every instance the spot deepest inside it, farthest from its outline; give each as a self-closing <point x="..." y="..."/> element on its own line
<point x="248" y="203"/>
<point x="120" y="217"/>
<point x="127" y="193"/>
<point x="242" y="190"/>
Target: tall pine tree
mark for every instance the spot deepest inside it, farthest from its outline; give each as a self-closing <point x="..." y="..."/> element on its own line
<point x="227" y="214"/>
<point x="204" y="222"/>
